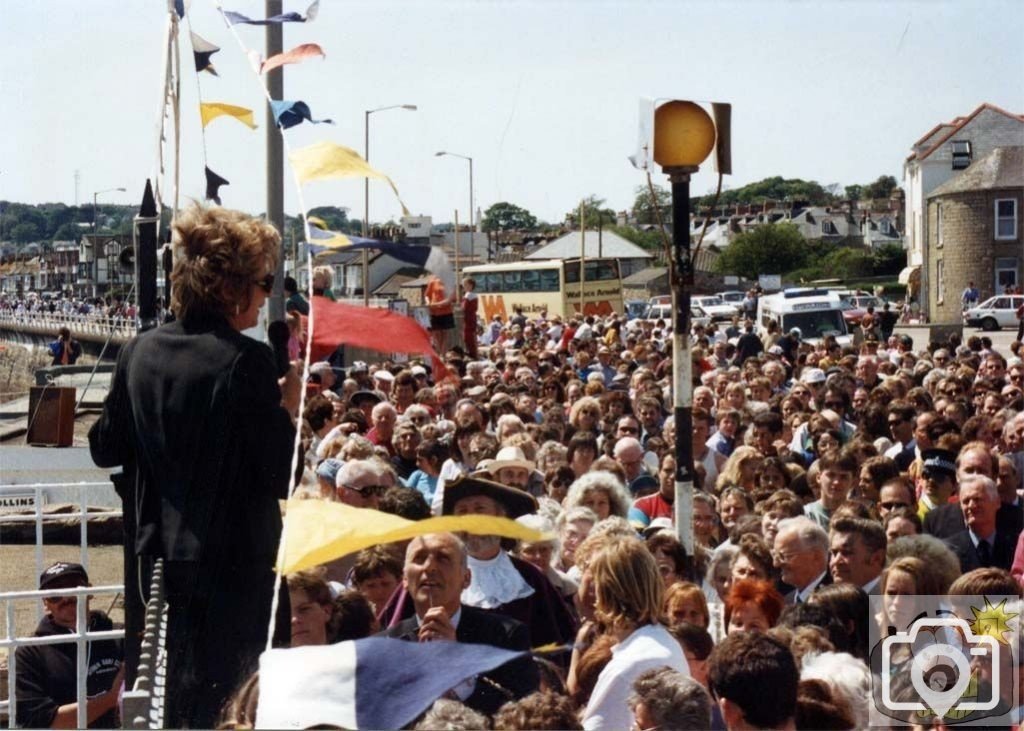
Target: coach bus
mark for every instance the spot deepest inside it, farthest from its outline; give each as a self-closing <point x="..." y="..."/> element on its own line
<point x="551" y="286"/>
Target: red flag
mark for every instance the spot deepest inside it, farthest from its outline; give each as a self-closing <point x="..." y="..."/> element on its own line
<point x="336" y="323"/>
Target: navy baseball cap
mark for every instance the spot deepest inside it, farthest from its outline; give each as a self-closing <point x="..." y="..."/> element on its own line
<point x="63" y="575"/>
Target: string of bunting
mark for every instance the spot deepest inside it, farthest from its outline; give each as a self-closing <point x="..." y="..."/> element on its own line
<point x="348" y="164"/>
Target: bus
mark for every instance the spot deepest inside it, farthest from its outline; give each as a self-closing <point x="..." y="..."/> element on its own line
<point x="551" y="286"/>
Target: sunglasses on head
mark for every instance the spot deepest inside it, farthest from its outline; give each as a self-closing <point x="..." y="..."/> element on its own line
<point x="266" y="284"/>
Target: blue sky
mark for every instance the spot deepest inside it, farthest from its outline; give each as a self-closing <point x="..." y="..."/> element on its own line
<point x="543" y="95"/>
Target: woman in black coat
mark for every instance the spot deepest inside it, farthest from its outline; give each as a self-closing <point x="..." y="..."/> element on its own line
<point x="196" y="417"/>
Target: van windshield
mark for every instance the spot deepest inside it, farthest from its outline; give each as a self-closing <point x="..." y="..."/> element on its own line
<point x="815" y="323"/>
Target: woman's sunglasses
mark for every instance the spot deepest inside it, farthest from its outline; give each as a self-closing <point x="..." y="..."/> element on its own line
<point x="266" y="284"/>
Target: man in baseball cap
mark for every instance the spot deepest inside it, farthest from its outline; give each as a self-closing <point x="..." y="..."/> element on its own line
<point x="46" y="684"/>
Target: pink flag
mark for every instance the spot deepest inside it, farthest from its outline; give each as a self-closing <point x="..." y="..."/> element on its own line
<point x="299" y="53"/>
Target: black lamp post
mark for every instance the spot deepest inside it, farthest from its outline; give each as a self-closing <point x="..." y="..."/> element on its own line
<point x="684" y="135"/>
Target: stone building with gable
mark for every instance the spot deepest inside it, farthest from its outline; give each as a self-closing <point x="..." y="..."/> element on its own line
<point x="975" y="232"/>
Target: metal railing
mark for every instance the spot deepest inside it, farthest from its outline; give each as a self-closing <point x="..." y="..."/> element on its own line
<point x="36" y="495"/>
<point x="11" y="642"/>
<point x="78" y="324"/>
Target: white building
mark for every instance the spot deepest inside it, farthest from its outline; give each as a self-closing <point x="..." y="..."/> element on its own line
<point x="941" y="154"/>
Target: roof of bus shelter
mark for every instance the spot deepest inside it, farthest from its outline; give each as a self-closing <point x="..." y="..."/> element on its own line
<point x="612" y="246"/>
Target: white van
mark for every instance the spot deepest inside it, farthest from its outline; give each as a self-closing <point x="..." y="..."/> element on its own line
<point x="817" y="312"/>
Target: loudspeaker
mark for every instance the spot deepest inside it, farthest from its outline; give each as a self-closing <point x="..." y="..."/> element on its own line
<point x="51" y="416"/>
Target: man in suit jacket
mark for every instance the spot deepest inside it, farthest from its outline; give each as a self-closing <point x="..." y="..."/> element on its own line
<point x="946" y="520"/>
<point x="980" y="544"/>
<point x="801" y="555"/>
<point x="436" y="572"/>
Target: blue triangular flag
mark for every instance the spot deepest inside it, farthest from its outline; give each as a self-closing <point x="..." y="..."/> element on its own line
<point x="288" y="114"/>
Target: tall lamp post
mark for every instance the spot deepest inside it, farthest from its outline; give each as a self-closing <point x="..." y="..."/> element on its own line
<point x="366" y="192"/>
<point x="472" y="227"/>
<point x="94" y="196"/>
<point x="684" y="135"/>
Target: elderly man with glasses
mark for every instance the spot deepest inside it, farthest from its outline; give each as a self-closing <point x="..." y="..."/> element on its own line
<point x="801" y="555"/>
<point x="360" y="483"/>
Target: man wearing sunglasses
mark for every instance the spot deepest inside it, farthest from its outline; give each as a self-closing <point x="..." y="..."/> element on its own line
<point x="360" y="483"/>
<point x="47" y="681"/>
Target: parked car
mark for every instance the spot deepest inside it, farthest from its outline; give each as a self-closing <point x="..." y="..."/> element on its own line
<point x="995" y="312"/>
<point x="717" y="308"/>
<point x="733" y="297"/>
<point x="635" y="309"/>
<point x="663" y="312"/>
<point x="855" y="306"/>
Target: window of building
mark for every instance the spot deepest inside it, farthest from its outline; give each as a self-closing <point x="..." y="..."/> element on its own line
<point x="1006" y="273"/>
<point x="961" y="154"/>
<point x="940" y="281"/>
<point x="1006" y="218"/>
<point x="828" y="228"/>
<point x="938" y="225"/>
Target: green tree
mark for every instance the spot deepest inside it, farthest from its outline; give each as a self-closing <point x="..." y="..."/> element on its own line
<point x="854" y="192"/>
<point x="67" y="232"/>
<point x="25" y="233"/>
<point x="335" y="218"/>
<point x="505" y="216"/>
<point x="881" y="188"/>
<point x="766" y="249"/>
<point x="646" y="209"/>
<point x="594" y="213"/>
<point x="889" y="259"/>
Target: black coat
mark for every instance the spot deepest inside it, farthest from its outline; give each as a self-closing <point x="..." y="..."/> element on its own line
<point x="516" y="679"/>
<point x="948" y="520"/>
<point x="194" y="416"/>
<point x="963" y="547"/>
<point x="47" y="675"/>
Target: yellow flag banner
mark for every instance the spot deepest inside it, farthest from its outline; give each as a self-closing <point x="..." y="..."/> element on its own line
<point x="209" y="111"/>
<point x="328" y="160"/>
<point x="318" y="531"/>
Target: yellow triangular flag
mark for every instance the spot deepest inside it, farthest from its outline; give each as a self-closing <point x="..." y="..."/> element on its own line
<point x="328" y="160"/>
<point x="317" y="531"/>
<point x="209" y="111"/>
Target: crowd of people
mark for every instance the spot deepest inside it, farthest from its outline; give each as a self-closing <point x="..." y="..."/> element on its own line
<point x="825" y="476"/>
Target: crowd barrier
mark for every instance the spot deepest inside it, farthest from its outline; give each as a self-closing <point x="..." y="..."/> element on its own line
<point x="21" y="503"/>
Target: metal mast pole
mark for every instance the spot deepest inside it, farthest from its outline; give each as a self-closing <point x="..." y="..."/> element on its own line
<point x="275" y="160"/>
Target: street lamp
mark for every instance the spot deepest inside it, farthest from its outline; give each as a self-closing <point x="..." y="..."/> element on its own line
<point x="684" y="135"/>
<point x="366" y="192"/>
<point x="471" y="210"/>
<point x="94" y="195"/>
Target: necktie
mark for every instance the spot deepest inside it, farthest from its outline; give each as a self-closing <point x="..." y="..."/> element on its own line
<point x="984" y="554"/>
